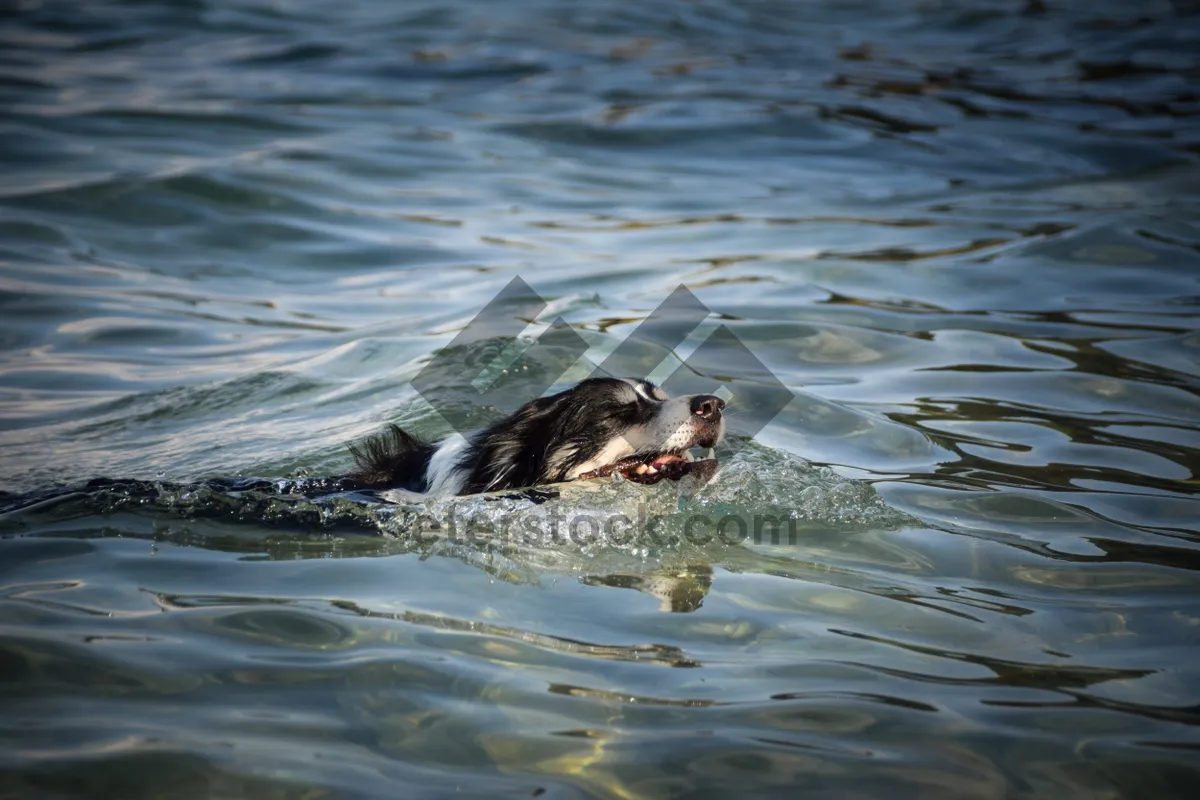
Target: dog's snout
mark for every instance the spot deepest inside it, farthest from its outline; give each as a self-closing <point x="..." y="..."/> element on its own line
<point x="707" y="407"/>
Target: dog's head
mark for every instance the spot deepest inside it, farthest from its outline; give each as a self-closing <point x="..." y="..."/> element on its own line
<point x="600" y="426"/>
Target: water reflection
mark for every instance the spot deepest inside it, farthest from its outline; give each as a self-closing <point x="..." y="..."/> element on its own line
<point x="963" y="234"/>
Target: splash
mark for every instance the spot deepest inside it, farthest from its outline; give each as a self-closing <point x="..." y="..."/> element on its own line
<point x="754" y="492"/>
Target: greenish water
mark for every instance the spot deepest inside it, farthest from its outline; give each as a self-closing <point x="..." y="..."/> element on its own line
<point x="964" y="234"/>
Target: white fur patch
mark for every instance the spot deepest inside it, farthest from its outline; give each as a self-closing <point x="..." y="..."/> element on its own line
<point x="444" y="476"/>
<point x="675" y="427"/>
<point x="615" y="450"/>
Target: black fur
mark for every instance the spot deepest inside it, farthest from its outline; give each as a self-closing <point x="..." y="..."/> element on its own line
<point x="392" y="459"/>
<point x="520" y="450"/>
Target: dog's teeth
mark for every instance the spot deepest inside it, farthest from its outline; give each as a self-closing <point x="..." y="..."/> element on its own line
<point x="651" y="470"/>
<point x="641" y="469"/>
<point x="711" y="453"/>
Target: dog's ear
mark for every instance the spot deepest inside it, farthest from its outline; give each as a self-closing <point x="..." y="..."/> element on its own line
<point x="387" y="456"/>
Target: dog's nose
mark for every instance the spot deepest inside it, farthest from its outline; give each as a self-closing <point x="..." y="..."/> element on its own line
<point x="707" y="407"/>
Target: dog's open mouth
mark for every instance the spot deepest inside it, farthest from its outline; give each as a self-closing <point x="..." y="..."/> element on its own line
<point x="652" y="468"/>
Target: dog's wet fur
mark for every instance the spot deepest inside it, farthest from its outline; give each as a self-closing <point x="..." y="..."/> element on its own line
<point x="598" y="427"/>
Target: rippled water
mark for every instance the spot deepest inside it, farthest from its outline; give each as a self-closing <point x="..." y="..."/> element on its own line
<point x="964" y="234"/>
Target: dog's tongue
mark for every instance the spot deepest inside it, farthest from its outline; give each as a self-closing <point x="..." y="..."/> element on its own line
<point x="666" y="458"/>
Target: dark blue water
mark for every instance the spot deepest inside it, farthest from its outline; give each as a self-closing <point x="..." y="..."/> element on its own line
<point x="964" y="234"/>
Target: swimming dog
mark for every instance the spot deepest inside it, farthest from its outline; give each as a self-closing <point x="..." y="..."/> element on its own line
<point x="599" y="427"/>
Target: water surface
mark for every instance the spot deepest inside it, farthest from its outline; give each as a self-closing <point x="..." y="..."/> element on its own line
<point x="963" y="234"/>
